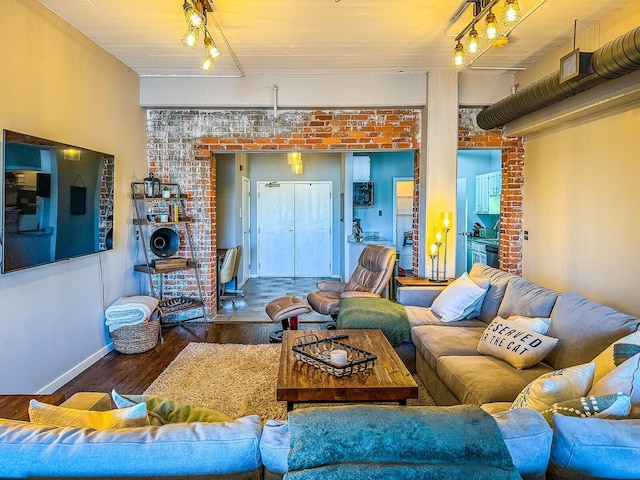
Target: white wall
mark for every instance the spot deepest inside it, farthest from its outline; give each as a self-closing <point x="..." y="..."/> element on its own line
<point x="326" y="91"/>
<point x="57" y="84"/>
<point x="581" y="187"/>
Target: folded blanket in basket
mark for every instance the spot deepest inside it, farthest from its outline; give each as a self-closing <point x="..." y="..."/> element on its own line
<point x="380" y="442"/>
<point x="129" y="311"/>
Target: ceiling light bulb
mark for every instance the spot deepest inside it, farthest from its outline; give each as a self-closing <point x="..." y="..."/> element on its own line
<point x="190" y="38"/>
<point x="473" y="46"/>
<point x="511" y="13"/>
<point x="458" y="56"/>
<point x="207" y="63"/>
<point x="194" y="17"/>
<point x="492" y="30"/>
<point x="210" y="45"/>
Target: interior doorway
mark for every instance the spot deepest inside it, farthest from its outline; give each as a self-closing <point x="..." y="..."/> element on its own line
<point x="403" y="222"/>
<point x="478" y="208"/>
<point x="246" y="228"/>
<point x="294" y="229"/>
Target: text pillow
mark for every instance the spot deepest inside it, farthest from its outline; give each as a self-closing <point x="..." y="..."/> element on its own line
<point x="558" y="386"/>
<point x="43" y="413"/>
<point x="458" y="299"/>
<point x="518" y="346"/>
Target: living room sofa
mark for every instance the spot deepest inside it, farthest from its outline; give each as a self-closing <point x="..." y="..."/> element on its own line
<point x="446" y="353"/>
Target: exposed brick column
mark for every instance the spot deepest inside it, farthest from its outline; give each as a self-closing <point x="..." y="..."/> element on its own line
<point x="511" y="211"/>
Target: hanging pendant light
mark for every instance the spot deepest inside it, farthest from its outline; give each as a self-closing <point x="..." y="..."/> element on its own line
<point x="492" y="29"/>
<point x="511" y="13"/>
<point x="194" y="18"/>
<point x="190" y="38"/>
<point x="210" y="45"/>
<point x="473" y="45"/>
<point x="207" y="63"/>
<point x="458" y="56"/>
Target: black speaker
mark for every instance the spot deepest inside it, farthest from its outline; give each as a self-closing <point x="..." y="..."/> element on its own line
<point x="164" y="242"/>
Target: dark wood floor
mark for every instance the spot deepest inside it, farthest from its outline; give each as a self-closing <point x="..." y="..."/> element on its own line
<point x="134" y="373"/>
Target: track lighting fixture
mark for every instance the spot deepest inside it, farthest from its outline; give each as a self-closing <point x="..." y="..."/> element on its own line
<point x="195" y="13"/>
<point x="482" y="9"/>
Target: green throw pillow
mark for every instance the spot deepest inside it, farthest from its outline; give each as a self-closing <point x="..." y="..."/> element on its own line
<point x="624" y="351"/>
<point x="162" y="410"/>
<point x="616" y="405"/>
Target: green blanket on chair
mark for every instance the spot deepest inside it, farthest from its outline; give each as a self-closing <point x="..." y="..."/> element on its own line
<point x="401" y="443"/>
<point x="388" y="316"/>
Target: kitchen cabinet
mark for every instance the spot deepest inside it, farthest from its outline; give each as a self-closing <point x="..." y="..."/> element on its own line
<point x="488" y="188"/>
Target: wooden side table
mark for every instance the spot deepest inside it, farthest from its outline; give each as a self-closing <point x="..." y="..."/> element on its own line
<point x="420" y="282"/>
<point x="16" y="407"/>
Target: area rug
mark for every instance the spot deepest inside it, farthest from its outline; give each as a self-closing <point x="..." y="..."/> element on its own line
<point x="235" y="379"/>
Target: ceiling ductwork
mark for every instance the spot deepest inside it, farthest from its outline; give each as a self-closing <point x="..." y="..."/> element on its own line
<point x="613" y="60"/>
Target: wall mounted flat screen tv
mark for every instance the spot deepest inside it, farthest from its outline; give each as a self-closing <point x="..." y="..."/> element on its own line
<point x="57" y="201"/>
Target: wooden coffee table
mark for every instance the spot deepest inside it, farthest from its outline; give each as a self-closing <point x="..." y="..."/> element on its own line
<point x="388" y="380"/>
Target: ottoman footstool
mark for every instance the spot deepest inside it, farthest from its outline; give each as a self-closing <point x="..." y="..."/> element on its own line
<point x="286" y="310"/>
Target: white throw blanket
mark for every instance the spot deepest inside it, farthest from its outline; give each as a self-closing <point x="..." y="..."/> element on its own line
<point x="129" y="311"/>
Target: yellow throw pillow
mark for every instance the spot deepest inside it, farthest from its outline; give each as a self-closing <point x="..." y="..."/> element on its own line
<point x="519" y="346"/>
<point x="43" y="413"/>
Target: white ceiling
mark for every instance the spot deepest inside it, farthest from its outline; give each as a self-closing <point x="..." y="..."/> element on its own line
<point x="317" y="37"/>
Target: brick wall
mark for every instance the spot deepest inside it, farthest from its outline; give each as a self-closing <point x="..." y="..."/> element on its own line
<point x="472" y="136"/>
<point x="182" y="144"/>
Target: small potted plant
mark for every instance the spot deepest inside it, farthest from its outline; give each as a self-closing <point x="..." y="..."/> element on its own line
<point x="166" y="192"/>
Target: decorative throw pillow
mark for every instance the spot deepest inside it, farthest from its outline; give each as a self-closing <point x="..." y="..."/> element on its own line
<point x="557" y="386"/>
<point x="605" y="362"/>
<point x="537" y="324"/>
<point x="474" y="310"/>
<point x="458" y="299"/>
<point x="520" y="347"/>
<point x="603" y="406"/>
<point x="625" y="379"/>
<point x="623" y="352"/>
<point x="43" y="413"/>
<point x="162" y="410"/>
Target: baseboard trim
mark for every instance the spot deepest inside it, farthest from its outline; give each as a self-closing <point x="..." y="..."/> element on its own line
<point x="75" y="371"/>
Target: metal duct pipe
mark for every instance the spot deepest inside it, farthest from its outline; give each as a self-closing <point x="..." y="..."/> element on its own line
<point x="613" y="60"/>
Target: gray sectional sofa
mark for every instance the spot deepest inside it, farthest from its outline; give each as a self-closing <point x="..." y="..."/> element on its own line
<point x="447" y="359"/>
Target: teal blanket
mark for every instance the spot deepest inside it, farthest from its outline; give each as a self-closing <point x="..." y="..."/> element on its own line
<point x="387" y="442"/>
<point x="368" y="313"/>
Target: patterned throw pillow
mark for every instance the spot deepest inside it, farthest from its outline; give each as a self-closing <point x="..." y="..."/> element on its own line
<point x="623" y="352"/>
<point x="519" y="346"/>
<point x="553" y="387"/>
<point x="624" y="378"/>
<point x="43" y="413"/>
<point x="605" y="361"/>
<point x="603" y="406"/>
<point x="162" y="410"/>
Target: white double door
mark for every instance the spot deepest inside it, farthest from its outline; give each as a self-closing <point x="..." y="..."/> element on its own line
<point x="294" y="229"/>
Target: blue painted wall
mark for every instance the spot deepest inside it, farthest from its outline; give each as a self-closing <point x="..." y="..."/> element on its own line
<point x="383" y="167"/>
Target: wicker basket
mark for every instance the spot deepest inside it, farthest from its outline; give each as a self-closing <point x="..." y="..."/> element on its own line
<point x="137" y="338"/>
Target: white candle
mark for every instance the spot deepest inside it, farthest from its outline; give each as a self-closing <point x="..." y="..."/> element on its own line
<point x="339" y="358"/>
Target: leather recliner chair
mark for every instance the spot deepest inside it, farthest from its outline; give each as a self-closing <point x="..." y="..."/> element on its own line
<point x="371" y="276"/>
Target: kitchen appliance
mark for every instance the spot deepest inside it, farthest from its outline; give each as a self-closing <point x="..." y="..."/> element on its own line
<point x="493" y="258"/>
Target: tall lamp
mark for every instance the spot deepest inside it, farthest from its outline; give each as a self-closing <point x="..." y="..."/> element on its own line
<point x="434" y="249"/>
